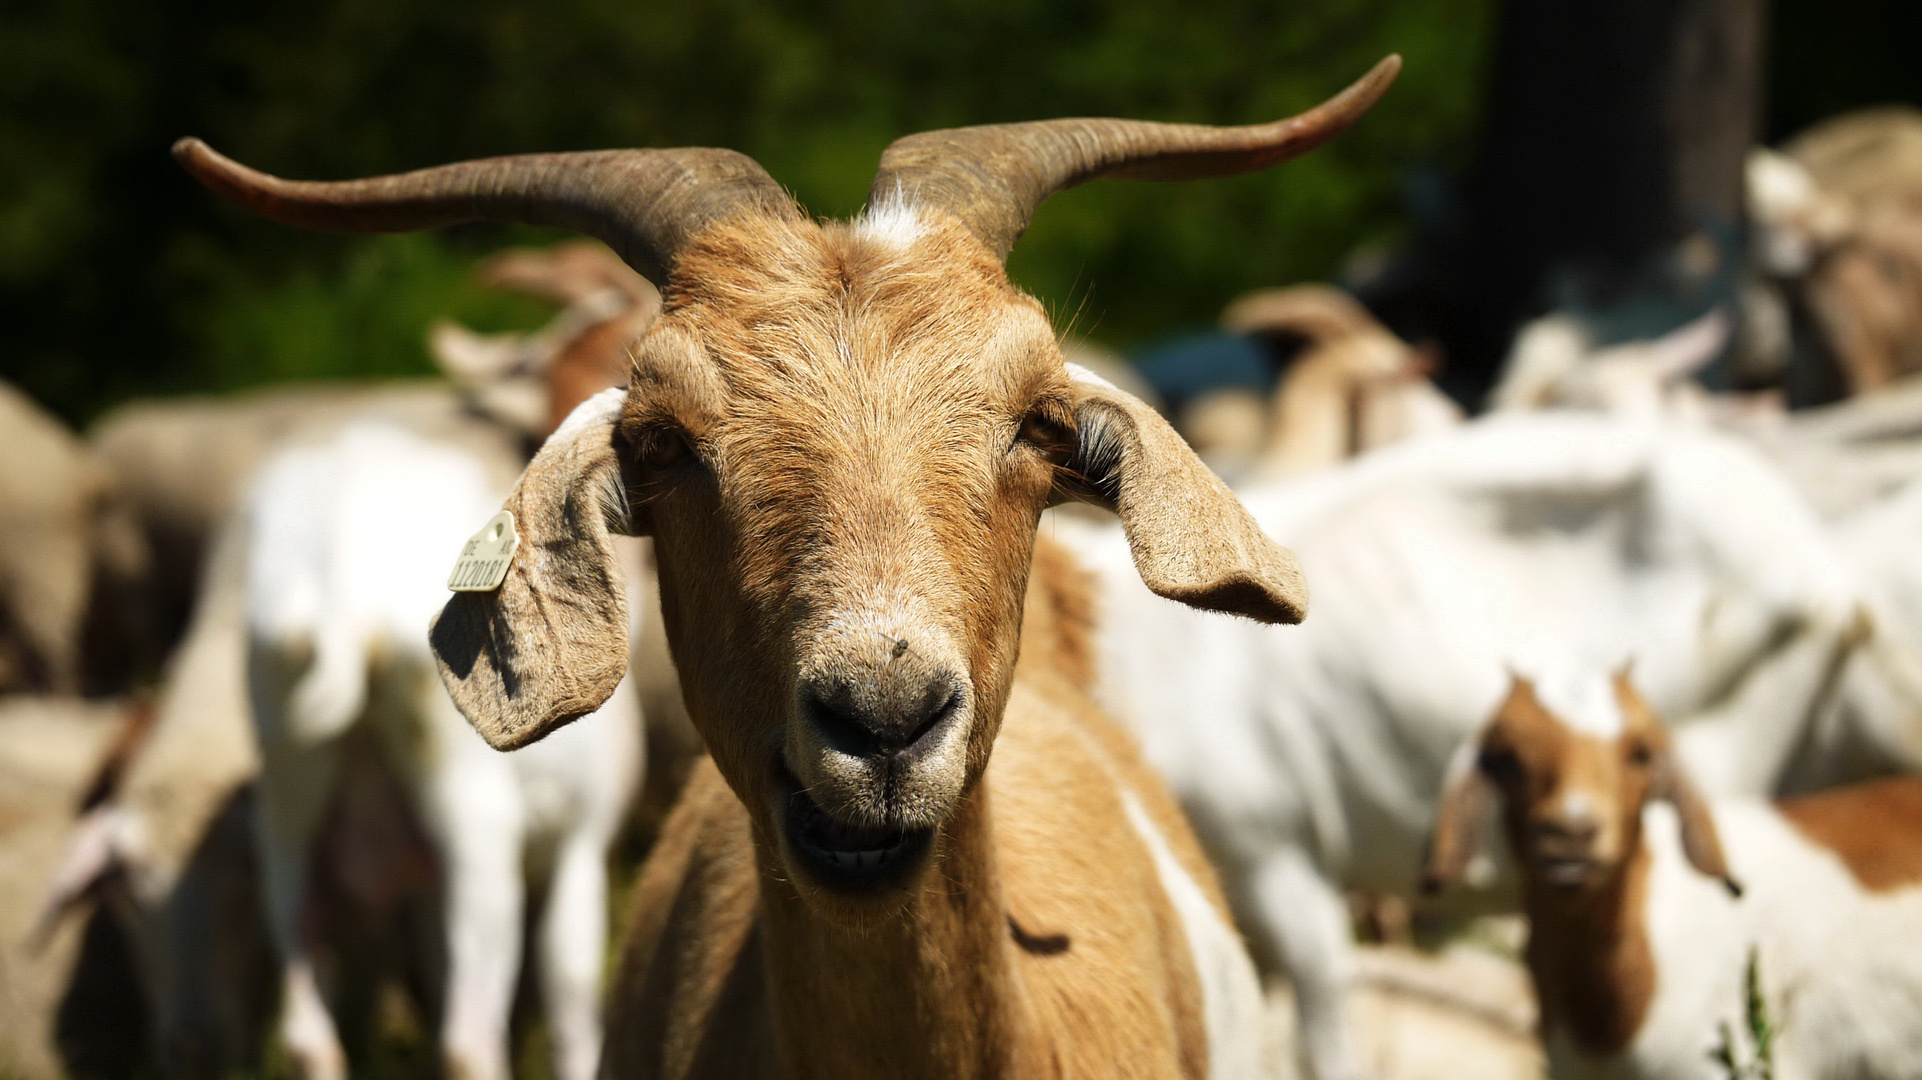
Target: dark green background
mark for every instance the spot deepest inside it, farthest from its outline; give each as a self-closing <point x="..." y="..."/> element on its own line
<point x="119" y="278"/>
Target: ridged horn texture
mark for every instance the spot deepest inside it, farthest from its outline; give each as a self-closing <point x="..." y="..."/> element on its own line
<point x="644" y="204"/>
<point x="994" y="176"/>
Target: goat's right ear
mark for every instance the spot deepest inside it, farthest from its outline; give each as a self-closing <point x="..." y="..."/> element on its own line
<point x="1192" y="540"/>
<point x="550" y="644"/>
<point x="1461" y="816"/>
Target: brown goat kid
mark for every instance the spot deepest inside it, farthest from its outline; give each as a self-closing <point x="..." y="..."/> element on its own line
<point x="1640" y="938"/>
<point x="841" y="437"/>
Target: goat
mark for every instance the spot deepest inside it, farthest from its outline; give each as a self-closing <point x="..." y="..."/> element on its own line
<point x="1555" y="364"/>
<point x="841" y="438"/>
<point x="1839" y="211"/>
<point x="1355" y="386"/>
<point x="1644" y="917"/>
<point x="170" y="848"/>
<point x="64" y="535"/>
<point x="346" y="536"/>
<point x="1309" y="760"/>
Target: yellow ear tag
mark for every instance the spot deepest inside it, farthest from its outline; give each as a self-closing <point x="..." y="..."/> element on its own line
<point x="482" y="565"/>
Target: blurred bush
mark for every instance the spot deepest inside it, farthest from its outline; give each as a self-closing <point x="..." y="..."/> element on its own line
<point x="118" y="277"/>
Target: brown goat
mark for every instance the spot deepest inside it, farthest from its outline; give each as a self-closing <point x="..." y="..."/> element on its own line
<point x="1355" y="386"/>
<point x="841" y="437"/>
<point x="1642" y="947"/>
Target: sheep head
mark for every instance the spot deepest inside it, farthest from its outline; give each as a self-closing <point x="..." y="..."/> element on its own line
<point x="841" y="437"/>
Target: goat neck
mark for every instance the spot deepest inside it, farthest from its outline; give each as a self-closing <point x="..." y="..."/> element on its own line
<point x="1590" y="959"/>
<point x="931" y="993"/>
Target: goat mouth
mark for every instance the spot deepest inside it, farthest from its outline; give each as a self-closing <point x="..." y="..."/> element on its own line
<point x="1566" y="871"/>
<point x="852" y="857"/>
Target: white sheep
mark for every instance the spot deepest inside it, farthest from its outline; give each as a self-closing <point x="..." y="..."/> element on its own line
<point x="351" y="540"/>
<point x="1648" y="904"/>
<point x="1309" y="759"/>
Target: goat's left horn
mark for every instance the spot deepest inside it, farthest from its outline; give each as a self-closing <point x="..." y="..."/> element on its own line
<point x="644" y="204"/>
<point x="994" y="176"/>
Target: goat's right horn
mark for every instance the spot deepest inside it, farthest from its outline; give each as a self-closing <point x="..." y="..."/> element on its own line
<point x="644" y="204"/>
<point x="995" y="176"/>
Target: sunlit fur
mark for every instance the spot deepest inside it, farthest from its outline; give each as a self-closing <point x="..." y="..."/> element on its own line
<point x="841" y="445"/>
<point x="852" y="412"/>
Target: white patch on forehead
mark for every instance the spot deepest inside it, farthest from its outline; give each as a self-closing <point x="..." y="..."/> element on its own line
<point x="894" y="222"/>
<point x="1584" y="701"/>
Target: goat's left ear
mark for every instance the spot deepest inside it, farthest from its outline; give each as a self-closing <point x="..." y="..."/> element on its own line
<point x="1669" y="781"/>
<point x="549" y="644"/>
<point x="1462" y="814"/>
<point x="1191" y="538"/>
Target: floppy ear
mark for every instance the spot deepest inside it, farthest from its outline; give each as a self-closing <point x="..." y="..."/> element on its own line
<point x="550" y="644"/>
<point x="1669" y="781"/>
<point x="1700" y="842"/>
<point x="1191" y="538"/>
<point x="1461" y="817"/>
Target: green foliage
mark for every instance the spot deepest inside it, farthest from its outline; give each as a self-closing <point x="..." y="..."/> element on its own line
<point x="1761" y="1032"/>
<point x="118" y="277"/>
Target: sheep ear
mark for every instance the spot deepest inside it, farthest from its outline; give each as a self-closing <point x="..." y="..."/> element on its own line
<point x="1700" y="842"/>
<point x="1191" y="538"/>
<point x="1461" y="817"/>
<point x="549" y="645"/>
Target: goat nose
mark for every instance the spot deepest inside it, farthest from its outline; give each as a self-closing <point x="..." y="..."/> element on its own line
<point x="885" y="714"/>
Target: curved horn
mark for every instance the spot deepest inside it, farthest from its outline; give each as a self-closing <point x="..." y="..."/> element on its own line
<point x="644" y="204"/>
<point x="994" y="176"/>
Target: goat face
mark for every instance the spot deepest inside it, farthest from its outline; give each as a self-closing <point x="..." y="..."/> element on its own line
<point x="842" y="448"/>
<point x="841" y="439"/>
<point x="1572" y="780"/>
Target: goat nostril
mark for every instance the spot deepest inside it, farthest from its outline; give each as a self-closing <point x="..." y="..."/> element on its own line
<point x="872" y="721"/>
<point x="949" y="703"/>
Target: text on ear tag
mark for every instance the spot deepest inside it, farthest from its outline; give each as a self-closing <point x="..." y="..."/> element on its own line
<point x="482" y="565"/>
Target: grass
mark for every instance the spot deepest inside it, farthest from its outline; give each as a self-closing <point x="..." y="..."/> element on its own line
<point x="1761" y="1032"/>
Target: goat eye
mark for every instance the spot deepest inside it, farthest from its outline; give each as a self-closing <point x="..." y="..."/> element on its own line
<point x="1640" y="754"/>
<point x="1499" y="763"/>
<point x="661" y="446"/>
<point x="1042" y="429"/>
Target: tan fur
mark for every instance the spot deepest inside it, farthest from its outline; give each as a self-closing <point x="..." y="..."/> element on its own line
<point x="1874" y="828"/>
<point x="1590" y="961"/>
<point x="1058" y="626"/>
<point x="842" y="447"/>
<point x="56" y="502"/>
<point x="1068" y="935"/>
<point x="1570" y="796"/>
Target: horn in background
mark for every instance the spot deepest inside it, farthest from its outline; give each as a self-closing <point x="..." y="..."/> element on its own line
<point x="644" y="204"/>
<point x="994" y="176"/>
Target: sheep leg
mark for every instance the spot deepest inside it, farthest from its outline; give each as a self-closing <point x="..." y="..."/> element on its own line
<point x="1306" y="915"/>
<point x="296" y="783"/>
<point x="481" y="823"/>
<point x="573" y="942"/>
